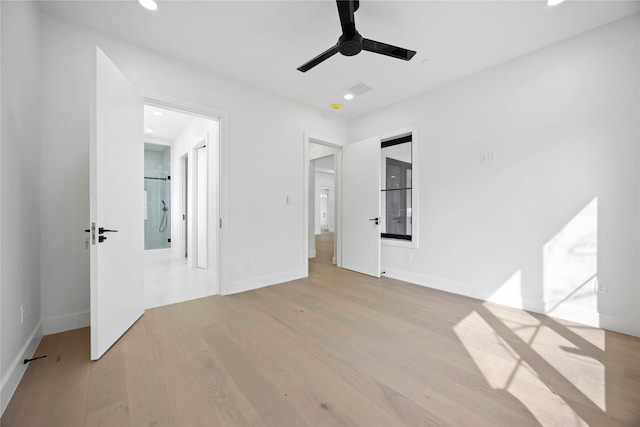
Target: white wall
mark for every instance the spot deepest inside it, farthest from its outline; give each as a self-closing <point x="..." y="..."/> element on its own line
<point x="265" y="165"/>
<point x="20" y="190"/>
<point x="560" y="202"/>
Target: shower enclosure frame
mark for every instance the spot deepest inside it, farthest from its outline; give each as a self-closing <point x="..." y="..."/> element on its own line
<point x="165" y="241"/>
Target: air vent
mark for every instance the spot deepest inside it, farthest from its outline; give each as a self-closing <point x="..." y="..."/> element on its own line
<point x="357" y="88"/>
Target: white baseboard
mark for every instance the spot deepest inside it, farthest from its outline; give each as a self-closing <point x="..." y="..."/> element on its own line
<point x="604" y="321"/>
<point x="433" y="282"/>
<point x="66" y="322"/>
<point x="619" y="324"/>
<point x="312" y="253"/>
<point x="575" y="314"/>
<point x="465" y="289"/>
<point x="261" y="282"/>
<point x="17" y="369"/>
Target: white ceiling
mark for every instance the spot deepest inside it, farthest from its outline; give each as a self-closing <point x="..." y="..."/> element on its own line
<point x="167" y="126"/>
<point x="261" y="43"/>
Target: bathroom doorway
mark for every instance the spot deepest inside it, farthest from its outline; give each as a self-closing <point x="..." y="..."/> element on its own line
<point x="182" y="170"/>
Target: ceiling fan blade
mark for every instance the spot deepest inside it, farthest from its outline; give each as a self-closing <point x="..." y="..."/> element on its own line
<point x="318" y="59"/>
<point x="346" y="10"/>
<point x="387" y="49"/>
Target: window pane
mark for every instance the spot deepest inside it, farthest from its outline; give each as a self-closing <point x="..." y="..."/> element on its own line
<point x="397" y="212"/>
<point x="396" y="191"/>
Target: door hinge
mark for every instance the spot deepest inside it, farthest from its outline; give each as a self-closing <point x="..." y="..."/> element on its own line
<point x="220" y="222"/>
<point x="92" y="230"/>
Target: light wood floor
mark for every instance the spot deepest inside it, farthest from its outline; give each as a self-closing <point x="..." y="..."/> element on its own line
<point x="337" y="348"/>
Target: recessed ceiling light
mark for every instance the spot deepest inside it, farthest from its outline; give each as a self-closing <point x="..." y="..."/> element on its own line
<point x="149" y="4"/>
<point x="348" y="96"/>
<point x="554" y="2"/>
<point x="148" y="130"/>
<point x="157" y="113"/>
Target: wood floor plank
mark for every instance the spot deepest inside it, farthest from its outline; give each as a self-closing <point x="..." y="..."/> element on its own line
<point x="148" y="401"/>
<point x="107" y="397"/>
<point x="279" y="358"/>
<point x="267" y="400"/>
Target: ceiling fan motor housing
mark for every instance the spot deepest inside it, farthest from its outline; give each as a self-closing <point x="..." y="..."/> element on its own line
<point x="350" y="46"/>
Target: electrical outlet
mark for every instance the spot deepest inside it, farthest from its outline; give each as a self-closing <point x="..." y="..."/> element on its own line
<point x="601" y="288"/>
<point x="408" y="256"/>
<point x="247" y="263"/>
<point x="22" y="313"/>
<point x="483" y="157"/>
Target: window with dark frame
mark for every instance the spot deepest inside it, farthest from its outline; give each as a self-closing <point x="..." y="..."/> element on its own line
<point x="396" y="188"/>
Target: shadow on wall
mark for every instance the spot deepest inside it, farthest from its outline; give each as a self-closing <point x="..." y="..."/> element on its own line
<point x="569" y="272"/>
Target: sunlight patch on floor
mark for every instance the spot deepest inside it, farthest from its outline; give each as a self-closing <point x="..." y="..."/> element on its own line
<point x="530" y="367"/>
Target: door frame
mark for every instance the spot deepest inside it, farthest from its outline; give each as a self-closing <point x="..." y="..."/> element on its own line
<point x="222" y="198"/>
<point x="332" y="143"/>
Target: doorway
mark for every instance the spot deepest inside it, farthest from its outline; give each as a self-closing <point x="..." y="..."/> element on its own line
<point x="323" y="159"/>
<point x="323" y="205"/>
<point x="188" y="267"/>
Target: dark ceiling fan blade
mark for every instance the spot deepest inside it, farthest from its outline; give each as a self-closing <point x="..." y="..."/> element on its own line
<point x="387" y="49"/>
<point x="318" y="59"/>
<point x="346" y="10"/>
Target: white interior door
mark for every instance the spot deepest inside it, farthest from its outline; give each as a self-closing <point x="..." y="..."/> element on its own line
<point x="202" y="231"/>
<point x="361" y="207"/>
<point x="185" y="206"/>
<point x="116" y="186"/>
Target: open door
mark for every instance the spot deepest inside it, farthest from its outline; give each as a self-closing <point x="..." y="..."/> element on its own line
<point x="202" y="190"/>
<point x="116" y="187"/>
<point x="361" y="207"/>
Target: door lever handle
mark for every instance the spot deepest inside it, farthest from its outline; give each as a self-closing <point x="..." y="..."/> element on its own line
<point x="377" y="220"/>
<point x="102" y="230"/>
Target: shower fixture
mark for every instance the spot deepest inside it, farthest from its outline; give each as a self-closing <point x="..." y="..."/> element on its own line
<point x="163" y="222"/>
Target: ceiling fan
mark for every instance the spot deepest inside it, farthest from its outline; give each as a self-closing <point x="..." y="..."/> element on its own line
<point x="351" y="42"/>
